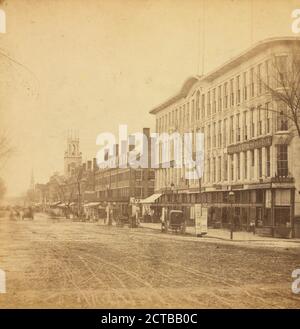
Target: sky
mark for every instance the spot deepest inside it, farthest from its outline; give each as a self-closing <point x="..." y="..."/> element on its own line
<point x="92" y="65"/>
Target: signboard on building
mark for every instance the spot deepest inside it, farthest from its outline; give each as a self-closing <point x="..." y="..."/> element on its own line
<point x="201" y="215"/>
<point x="250" y="145"/>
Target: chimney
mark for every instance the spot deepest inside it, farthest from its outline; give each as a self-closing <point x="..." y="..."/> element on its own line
<point x="89" y="165"/>
<point x="146" y="132"/>
<point x="116" y="149"/>
<point x="95" y="166"/>
<point x="106" y="153"/>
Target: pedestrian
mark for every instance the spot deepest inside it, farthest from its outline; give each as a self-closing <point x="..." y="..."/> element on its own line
<point x="252" y="226"/>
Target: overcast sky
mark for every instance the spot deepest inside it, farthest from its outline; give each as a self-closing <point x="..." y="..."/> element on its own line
<point x="92" y="65"/>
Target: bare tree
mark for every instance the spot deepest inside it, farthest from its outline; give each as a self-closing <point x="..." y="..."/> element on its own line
<point x="282" y="83"/>
<point x="2" y="188"/>
<point x="5" y="147"/>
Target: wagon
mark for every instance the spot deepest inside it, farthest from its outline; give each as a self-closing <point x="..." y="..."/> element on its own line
<point x="174" y="222"/>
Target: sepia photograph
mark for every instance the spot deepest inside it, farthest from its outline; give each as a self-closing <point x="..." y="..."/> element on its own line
<point x="149" y="156"/>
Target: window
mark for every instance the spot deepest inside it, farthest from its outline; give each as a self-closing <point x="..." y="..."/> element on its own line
<point x="245" y="127"/>
<point x="238" y="167"/>
<point x="220" y="99"/>
<point x="259" y="121"/>
<point x="220" y="134"/>
<point x="260" y="162"/>
<point x="252" y="82"/>
<point x="252" y="124"/>
<point x="208" y="137"/>
<point x="245" y="85"/>
<point x="208" y="170"/>
<point x="282" y="160"/>
<point x="214" y="101"/>
<point x="238" y="130"/>
<point x="225" y="133"/>
<point x="225" y="168"/>
<point x="214" y="170"/>
<point x="268" y="162"/>
<point x="238" y="90"/>
<point x="231" y="167"/>
<point x="282" y="120"/>
<point x="281" y="68"/>
<point x="219" y="169"/>
<point x="231" y="93"/>
<point x="208" y="103"/>
<point x="245" y="165"/>
<point x="225" y="95"/>
<point x="231" y="130"/>
<point x="267" y="112"/>
<point x="214" y="134"/>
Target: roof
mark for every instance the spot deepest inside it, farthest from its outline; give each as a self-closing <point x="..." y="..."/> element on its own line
<point x="225" y="67"/>
<point x="182" y="93"/>
<point x="248" y="53"/>
<point x="152" y="198"/>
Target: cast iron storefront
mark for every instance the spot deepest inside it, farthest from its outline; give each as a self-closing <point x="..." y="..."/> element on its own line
<point x="270" y="206"/>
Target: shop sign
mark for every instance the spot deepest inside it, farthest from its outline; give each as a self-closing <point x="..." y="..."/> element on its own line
<point x="250" y="145"/>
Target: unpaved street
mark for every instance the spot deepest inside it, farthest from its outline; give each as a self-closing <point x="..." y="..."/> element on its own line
<point x="70" y="264"/>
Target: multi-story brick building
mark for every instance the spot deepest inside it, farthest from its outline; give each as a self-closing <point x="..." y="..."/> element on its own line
<point x="119" y="185"/>
<point x="250" y="145"/>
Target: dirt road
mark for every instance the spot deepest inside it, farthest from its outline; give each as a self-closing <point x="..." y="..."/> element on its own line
<point x="69" y="264"/>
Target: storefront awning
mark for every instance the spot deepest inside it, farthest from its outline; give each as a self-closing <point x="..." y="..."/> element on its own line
<point x="53" y="204"/>
<point x="92" y="204"/>
<point x="152" y="198"/>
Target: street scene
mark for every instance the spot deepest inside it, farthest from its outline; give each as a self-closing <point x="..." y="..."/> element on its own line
<point x="59" y="263"/>
<point x="149" y="154"/>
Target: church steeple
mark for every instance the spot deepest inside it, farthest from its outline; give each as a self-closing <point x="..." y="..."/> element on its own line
<point x="72" y="158"/>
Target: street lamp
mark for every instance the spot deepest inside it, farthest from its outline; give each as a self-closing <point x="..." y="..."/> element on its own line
<point x="231" y="200"/>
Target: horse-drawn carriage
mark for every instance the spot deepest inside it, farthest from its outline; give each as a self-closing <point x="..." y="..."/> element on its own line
<point x="173" y="221"/>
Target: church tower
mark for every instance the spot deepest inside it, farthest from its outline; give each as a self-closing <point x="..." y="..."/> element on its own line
<point x="73" y="157"/>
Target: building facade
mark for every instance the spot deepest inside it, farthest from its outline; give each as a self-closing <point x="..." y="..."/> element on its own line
<point x="250" y="146"/>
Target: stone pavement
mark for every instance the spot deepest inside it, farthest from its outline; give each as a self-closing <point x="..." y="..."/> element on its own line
<point x="247" y="238"/>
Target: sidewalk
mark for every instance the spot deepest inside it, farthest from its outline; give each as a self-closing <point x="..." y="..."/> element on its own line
<point x="223" y="235"/>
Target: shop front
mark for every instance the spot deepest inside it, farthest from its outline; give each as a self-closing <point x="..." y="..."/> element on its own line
<point x="266" y="207"/>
